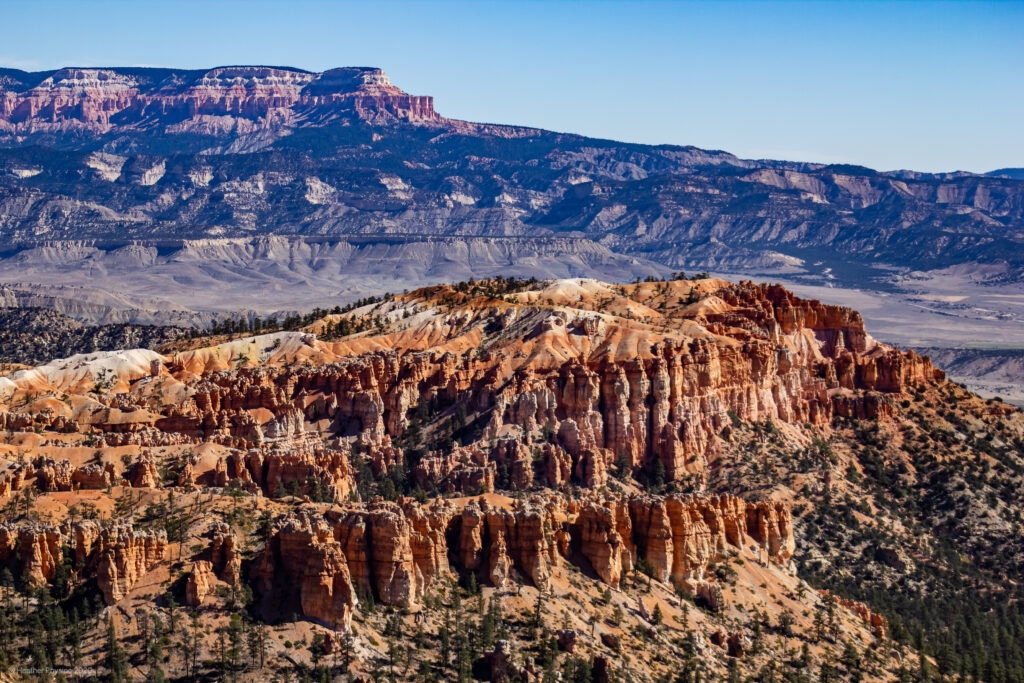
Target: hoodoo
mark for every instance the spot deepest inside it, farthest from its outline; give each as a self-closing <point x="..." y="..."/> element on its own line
<point x="623" y="461"/>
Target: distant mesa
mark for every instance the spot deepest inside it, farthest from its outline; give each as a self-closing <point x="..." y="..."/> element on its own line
<point x="97" y="100"/>
<point x="1014" y="173"/>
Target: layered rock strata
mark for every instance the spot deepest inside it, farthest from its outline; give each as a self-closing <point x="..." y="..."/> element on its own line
<point x="218" y="102"/>
<point x="126" y="555"/>
<point x="522" y="391"/>
<point x="395" y="551"/>
<point x="117" y="554"/>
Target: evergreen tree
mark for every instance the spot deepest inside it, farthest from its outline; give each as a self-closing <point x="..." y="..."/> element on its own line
<point x="345" y="648"/>
<point x="155" y="674"/>
<point x="819" y="625"/>
<point x="256" y="639"/>
<point x="233" y="652"/>
<point x="116" y="659"/>
<point x="191" y="642"/>
<point x="444" y="652"/>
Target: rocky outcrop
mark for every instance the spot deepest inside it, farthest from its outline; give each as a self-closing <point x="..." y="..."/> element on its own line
<point x="219" y="102"/>
<point x="94" y="476"/>
<point x="567" y="639"/>
<point x="428" y="538"/>
<point x="677" y="537"/>
<point x="326" y="592"/>
<point x="119" y="555"/>
<point x="775" y="357"/>
<point x="879" y="624"/>
<point x="503" y="668"/>
<point x="126" y="555"/>
<point x="225" y="560"/>
<point x="393" y="570"/>
<point x="34" y="549"/>
<point x="574" y="410"/>
<point x="304" y="569"/>
<point x="85" y="534"/>
<point x="13" y="479"/>
<point x="602" y="544"/>
<point x="395" y="551"/>
<point x="61" y="475"/>
<point x="500" y="564"/>
<point x="199" y="583"/>
<point x="55" y="476"/>
<point x="144" y="474"/>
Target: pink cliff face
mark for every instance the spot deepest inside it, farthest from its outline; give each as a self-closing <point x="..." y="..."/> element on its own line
<point x="225" y="99"/>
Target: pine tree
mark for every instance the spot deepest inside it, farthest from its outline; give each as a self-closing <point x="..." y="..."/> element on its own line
<point x="155" y="674"/>
<point x="172" y="615"/>
<point x="116" y="659"/>
<point x="191" y="640"/>
<point x="819" y="625"/>
<point x="256" y="639"/>
<point x="317" y="648"/>
<point x="346" y="648"/>
<point x="392" y="656"/>
<point x="444" y="652"/>
<point x="538" y="617"/>
<point x="464" y="659"/>
<point x="233" y="653"/>
<point x="850" y="657"/>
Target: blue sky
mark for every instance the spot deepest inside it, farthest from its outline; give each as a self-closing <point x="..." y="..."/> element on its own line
<point x="933" y="86"/>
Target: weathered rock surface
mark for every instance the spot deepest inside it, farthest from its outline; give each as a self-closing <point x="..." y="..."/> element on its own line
<point x="200" y="580"/>
<point x="331" y="557"/>
<point x="679" y="206"/>
<point x="126" y="555"/>
<point x="571" y="395"/>
<point x="34" y="548"/>
<point x="216" y="102"/>
<point x="144" y="473"/>
<point x="878" y="623"/>
<point x="225" y="560"/>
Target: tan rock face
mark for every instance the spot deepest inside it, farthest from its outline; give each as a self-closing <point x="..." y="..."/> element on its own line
<point x="126" y="555"/>
<point x="224" y="557"/>
<point x="34" y="547"/>
<point x="428" y="539"/>
<point x="59" y="475"/>
<point x="94" y="476"/>
<point x="499" y="564"/>
<point x="144" y="474"/>
<point x="200" y="580"/>
<point x="304" y="569"/>
<point x="879" y="624"/>
<point x="326" y="592"/>
<point x="395" y="551"/>
<point x="86" y="533"/>
<point x="571" y="396"/>
<point x="55" y="476"/>
<point x="601" y="543"/>
<point x="394" y="574"/>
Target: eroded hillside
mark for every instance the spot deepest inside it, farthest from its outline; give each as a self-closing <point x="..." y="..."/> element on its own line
<point x="513" y="478"/>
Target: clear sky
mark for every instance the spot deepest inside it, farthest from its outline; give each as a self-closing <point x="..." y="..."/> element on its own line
<point x="933" y="86"/>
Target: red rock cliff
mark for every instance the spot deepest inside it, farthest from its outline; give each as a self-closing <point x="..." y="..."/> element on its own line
<point x="216" y="102"/>
<point x="394" y="551"/>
